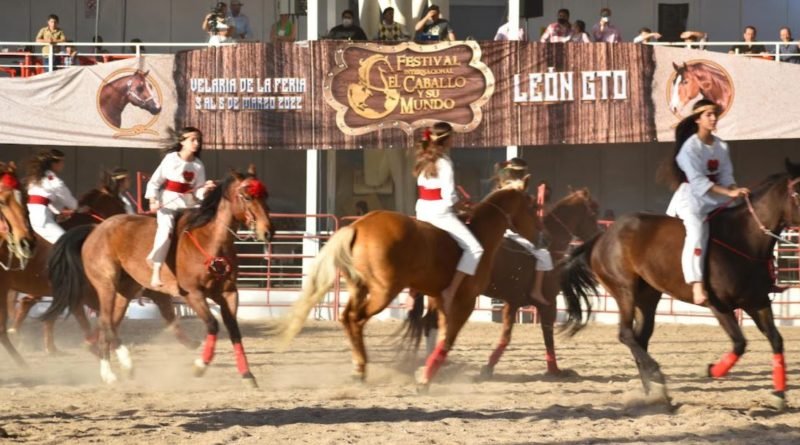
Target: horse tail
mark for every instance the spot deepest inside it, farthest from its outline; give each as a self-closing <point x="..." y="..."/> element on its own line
<point x="335" y="255"/>
<point x="66" y="273"/>
<point x="577" y="283"/>
<point x="416" y="324"/>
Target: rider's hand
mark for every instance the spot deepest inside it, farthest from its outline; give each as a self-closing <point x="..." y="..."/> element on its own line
<point x="210" y="185"/>
<point x="154" y="205"/>
<point x="739" y="191"/>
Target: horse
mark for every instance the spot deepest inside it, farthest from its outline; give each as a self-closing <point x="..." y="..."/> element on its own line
<point x="99" y="203"/>
<point x="131" y="89"/>
<point x="384" y="252"/>
<point x="700" y="79"/>
<point x="17" y="240"/>
<point x="108" y="260"/>
<point x="638" y="259"/>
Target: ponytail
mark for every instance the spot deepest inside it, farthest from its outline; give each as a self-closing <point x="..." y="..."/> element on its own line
<point x="41" y="163"/>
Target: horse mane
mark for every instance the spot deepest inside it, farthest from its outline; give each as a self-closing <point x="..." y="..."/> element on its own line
<point x="204" y="214"/>
<point x="582" y="194"/>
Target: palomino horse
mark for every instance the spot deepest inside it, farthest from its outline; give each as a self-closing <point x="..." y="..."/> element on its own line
<point x="32" y="280"/>
<point x="201" y="264"/>
<point x="573" y="217"/>
<point x="700" y="81"/>
<point x="131" y="89"/>
<point x="638" y="259"/>
<point x="384" y="252"/>
<point x="16" y="241"/>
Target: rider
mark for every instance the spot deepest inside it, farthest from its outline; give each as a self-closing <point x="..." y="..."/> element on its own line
<point x="117" y="182"/>
<point x="702" y="166"/>
<point x="516" y="169"/>
<point x="436" y="186"/>
<point x="47" y="194"/>
<point x="178" y="182"/>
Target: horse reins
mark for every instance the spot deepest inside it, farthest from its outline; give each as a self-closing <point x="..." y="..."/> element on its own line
<point x="132" y="92"/>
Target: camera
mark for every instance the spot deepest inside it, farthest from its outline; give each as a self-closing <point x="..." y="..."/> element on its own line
<point x="216" y="20"/>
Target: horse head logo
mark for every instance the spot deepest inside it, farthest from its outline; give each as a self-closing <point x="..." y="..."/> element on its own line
<point x="695" y="80"/>
<point x="124" y="87"/>
<point x="359" y="93"/>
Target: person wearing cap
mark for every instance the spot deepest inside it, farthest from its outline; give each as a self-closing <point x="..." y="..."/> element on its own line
<point x="702" y="174"/>
<point x="284" y="30"/>
<point x="433" y="28"/>
<point x="239" y="21"/>
<point x="47" y="194"/>
<point x="389" y="30"/>
<point x="604" y="31"/>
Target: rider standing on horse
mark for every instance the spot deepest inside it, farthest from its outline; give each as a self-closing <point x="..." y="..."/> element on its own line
<point x="437" y="195"/>
<point x="178" y="183"/>
<point x="703" y="173"/>
<point x="516" y="169"/>
<point x="47" y="194"/>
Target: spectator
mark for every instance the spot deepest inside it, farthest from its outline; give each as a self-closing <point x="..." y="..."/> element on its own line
<point x="215" y="24"/>
<point x="789" y="47"/>
<point x="389" y="30"/>
<point x="748" y="46"/>
<point x="604" y="31"/>
<point x="347" y="30"/>
<point x="97" y="49"/>
<point x="558" y="31"/>
<point x="433" y="28"/>
<point x="694" y="36"/>
<point x="646" y="35"/>
<point x="579" y="34"/>
<point x="50" y="34"/>
<point x="132" y="48"/>
<point x="504" y="32"/>
<point x="283" y="30"/>
<point x="239" y="21"/>
<point x="68" y="56"/>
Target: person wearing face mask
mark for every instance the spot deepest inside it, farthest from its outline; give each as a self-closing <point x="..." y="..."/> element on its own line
<point x="347" y="30"/>
<point x="604" y="31"/>
<point x="559" y="31"/>
<point x="389" y="30"/>
<point x="433" y="28"/>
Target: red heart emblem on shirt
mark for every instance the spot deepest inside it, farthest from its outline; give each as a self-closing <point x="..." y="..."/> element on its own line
<point x="713" y="165"/>
<point x="188" y="176"/>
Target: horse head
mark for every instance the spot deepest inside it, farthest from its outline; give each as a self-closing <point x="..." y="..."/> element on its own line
<point x="792" y="216"/>
<point x="250" y="201"/>
<point x="519" y="208"/>
<point x="141" y="92"/>
<point x="684" y="88"/>
<point x="577" y="213"/>
<point x="14" y="225"/>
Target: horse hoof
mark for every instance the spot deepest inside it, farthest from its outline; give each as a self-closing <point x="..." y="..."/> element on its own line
<point x="199" y="368"/>
<point x="487" y="372"/>
<point x="777" y="401"/>
<point x="423" y="388"/>
<point x="192" y="344"/>
<point x="658" y="393"/>
<point x="249" y="380"/>
<point x="109" y="378"/>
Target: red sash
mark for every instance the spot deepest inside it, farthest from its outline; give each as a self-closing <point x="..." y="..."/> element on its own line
<point x="429" y="194"/>
<point x="36" y="199"/>
<point x="177" y="187"/>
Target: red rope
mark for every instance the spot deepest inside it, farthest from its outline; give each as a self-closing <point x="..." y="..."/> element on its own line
<point x="212" y="262"/>
<point x="739" y="252"/>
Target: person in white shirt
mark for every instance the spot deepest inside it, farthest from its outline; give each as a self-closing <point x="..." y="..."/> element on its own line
<point x="47" y="194"/>
<point x="646" y="35"/>
<point x="240" y="22"/>
<point x="437" y="195"/>
<point x="178" y="183"/>
<point x="703" y="173"/>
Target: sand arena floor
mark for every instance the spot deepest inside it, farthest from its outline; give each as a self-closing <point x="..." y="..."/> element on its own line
<point x="306" y="395"/>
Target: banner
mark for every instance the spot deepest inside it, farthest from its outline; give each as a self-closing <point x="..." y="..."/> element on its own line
<point x="351" y="95"/>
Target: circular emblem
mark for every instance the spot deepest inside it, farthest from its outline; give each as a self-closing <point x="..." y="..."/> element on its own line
<point x="699" y="79"/>
<point x="125" y="88"/>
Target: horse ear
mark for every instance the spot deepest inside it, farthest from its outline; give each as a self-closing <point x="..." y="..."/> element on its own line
<point x="236" y="174"/>
<point x="675" y="65"/>
<point x="792" y="168"/>
<point x="251" y="169"/>
<point x="525" y="181"/>
<point x="685" y="66"/>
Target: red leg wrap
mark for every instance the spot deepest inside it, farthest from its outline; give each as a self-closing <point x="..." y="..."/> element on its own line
<point x="241" y="359"/>
<point x="778" y="372"/>
<point x="552" y="365"/>
<point x="497" y="353"/>
<point x="435" y="361"/>
<point x="724" y="365"/>
<point x="208" y="348"/>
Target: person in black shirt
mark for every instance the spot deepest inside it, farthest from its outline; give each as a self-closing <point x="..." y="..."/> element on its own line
<point x="433" y="28"/>
<point x="347" y="30"/>
<point x="748" y="46"/>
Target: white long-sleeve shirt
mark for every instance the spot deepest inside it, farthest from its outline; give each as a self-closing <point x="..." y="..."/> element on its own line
<point x="445" y="182"/>
<point x="54" y="189"/>
<point x="705" y="165"/>
<point x="176" y="170"/>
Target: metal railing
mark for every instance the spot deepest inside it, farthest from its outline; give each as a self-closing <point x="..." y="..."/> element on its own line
<point x="775" y="55"/>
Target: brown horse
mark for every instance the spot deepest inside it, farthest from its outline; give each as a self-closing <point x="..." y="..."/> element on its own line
<point x="384" y="252"/>
<point x="638" y="259"/>
<point x="700" y="80"/>
<point x="109" y="260"/>
<point x="132" y="89"/>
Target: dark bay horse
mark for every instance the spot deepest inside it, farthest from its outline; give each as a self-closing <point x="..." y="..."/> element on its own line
<point x="384" y="252"/>
<point x="638" y="259"/>
<point x="132" y="89"/>
<point x="109" y="260"/>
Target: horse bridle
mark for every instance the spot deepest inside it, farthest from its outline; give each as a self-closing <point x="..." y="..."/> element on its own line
<point x="132" y="92"/>
<point x="792" y="195"/>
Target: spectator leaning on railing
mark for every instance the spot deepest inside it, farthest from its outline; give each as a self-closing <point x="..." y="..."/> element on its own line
<point x="239" y="21"/>
<point x="579" y="34"/>
<point x="348" y="30"/>
<point x="432" y="27"/>
<point x="691" y="37"/>
<point x="646" y="35"/>
<point x="790" y="49"/>
<point x="749" y="46"/>
<point x="50" y="34"/>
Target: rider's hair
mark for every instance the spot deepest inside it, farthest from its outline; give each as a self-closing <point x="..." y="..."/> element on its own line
<point x="670" y="172"/>
<point x="514" y="169"/>
<point x="178" y="137"/>
<point x="431" y="148"/>
<point x="41" y="163"/>
<point x="111" y="180"/>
